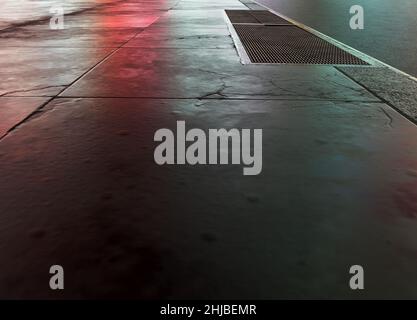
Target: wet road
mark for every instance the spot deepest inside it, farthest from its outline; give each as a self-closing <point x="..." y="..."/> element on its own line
<point x="389" y="33"/>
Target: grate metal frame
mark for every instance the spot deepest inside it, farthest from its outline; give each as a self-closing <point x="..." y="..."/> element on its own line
<point x="255" y="17"/>
<point x="291" y="44"/>
<point x="334" y="52"/>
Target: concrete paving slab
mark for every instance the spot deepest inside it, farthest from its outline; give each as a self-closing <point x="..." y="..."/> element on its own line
<point x="137" y="7"/>
<point x="193" y="73"/>
<point x="134" y="9"/>
<point x="127" y="20"/>
<point x="209" y="5"/>
<point x="85" y="168"/>
<point x="391" y="86"/>
<point x="43" y="36"/>
<point x="208" y="38"/>
<point x="23" y="11"/>
<point x="189" y="19"/>
<point x="44" y="71"/>
<point x="14" y="110"/>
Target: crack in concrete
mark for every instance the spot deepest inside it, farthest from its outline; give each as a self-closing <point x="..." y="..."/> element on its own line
<point x="32" y="115"/>
<point x="390" y="119"/>
<point x="328" y="79"/>
<point x="7" y="94"/>
<point x="218" y="92"/>
<point x="41" y="109"/>
<point x="378" y="96"/>
<point x="223" y="86"/>
<point x="359" y="83"/>
<point x="290" y="93"/>
<point x="214" y="72"/>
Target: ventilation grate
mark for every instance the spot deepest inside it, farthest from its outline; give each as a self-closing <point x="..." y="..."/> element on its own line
<point x="267" y="17"/>
<point x="290" y="44"/>
<point x="255" y="16"/>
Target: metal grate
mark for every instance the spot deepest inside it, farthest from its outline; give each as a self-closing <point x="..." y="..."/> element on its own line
<point x="267" y="17"/>
<point x="255" y="16"/>
<point x="290" y="44"/>
<point x="241" y="16"/>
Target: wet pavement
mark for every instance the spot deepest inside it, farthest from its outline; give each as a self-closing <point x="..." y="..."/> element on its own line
<point x="79" y="186"/>
<point x="388" y="33"/>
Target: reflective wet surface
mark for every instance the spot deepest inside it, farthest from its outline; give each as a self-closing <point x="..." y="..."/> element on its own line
<point x="79" y="185"/>
<point x="389" y="33"/>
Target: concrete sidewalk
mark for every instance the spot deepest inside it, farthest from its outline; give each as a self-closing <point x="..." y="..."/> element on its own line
<point x="79" y="186"/>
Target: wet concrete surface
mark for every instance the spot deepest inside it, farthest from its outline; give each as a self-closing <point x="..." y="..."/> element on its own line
<point x="15" y="110"/>
<point x="197" y="75"/>
<point x="392" y="87"/>
<point x="80" y="187"/>
<point x="195" y="38"/>
<point x="44" y="71"/>
<point x="42" y="36"/>
<point x="100" y="206"/>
